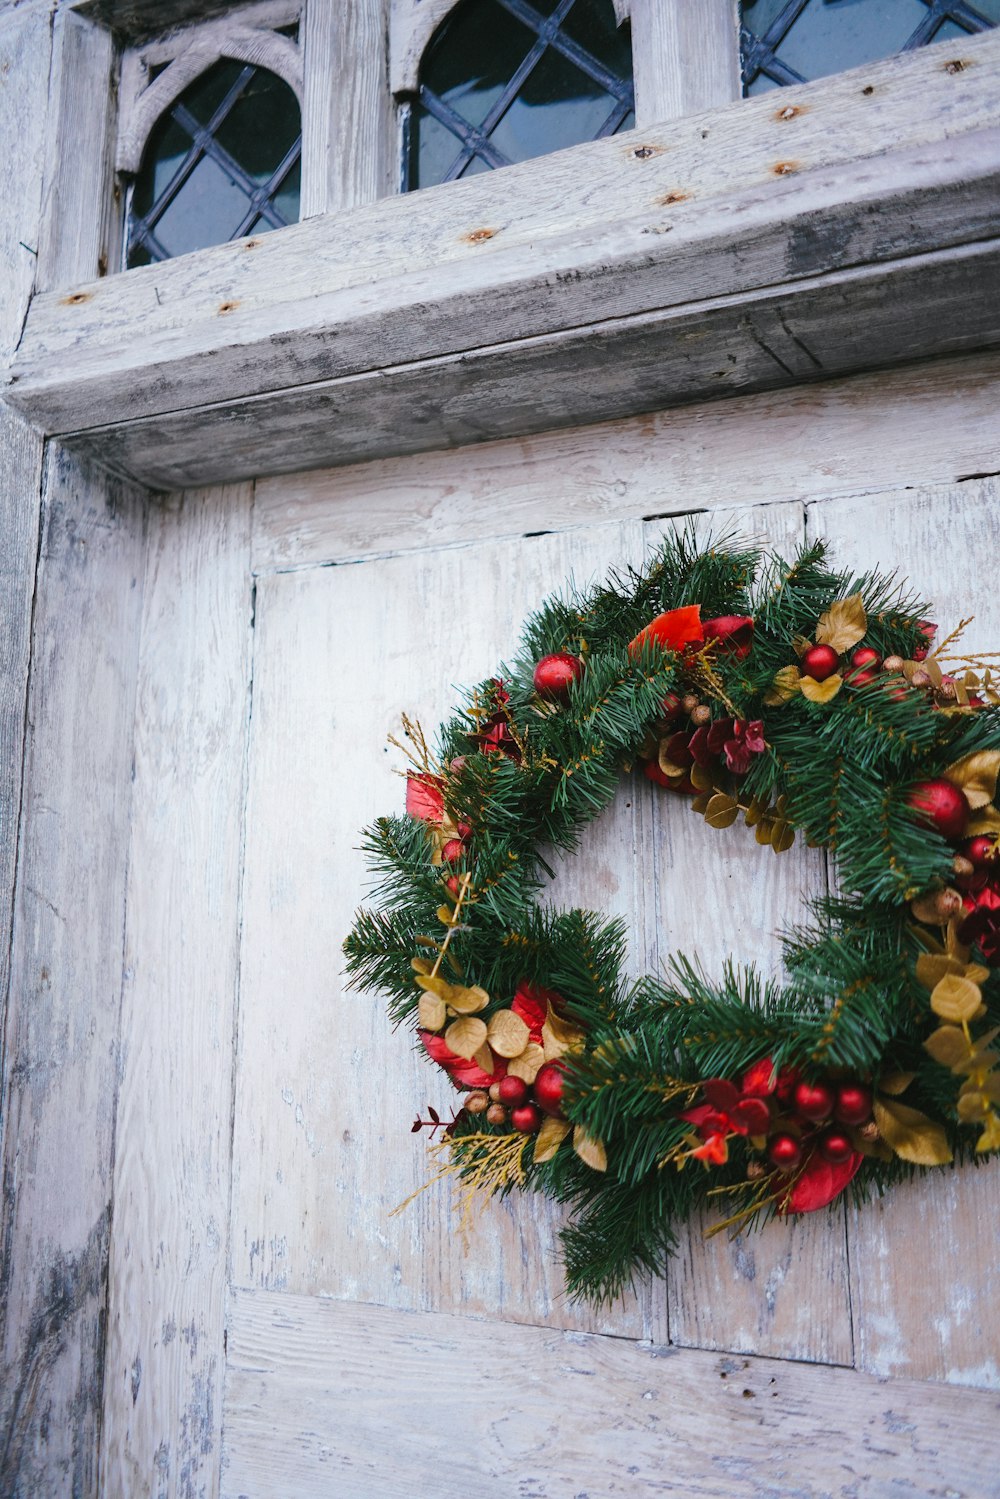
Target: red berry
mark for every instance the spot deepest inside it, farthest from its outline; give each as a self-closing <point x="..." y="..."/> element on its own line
<point x="526" y="1118"/>
<point x="819" y="662"/>
<point x="836" y="1147"/>
<point x="980" y="851"/>
<point x="865" y="656"/>
<point x="453" y="851"/>
<point x="784" y="1151"/>
<point x="813" y="1100"/>
<point x="854" y="1103"/>
<point x="555" y="675"/>
<point x="453" y="884"/>
<point x="942" y="807"/>
<point x="549" y="1088"/>
<point x="861" y="676"/>
<point x="512" y="1089"/>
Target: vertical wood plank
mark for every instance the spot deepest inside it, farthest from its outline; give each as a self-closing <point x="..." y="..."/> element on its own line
<point x="62" y="1026"/>
<point x="348" y="136"/>
<point x="781" y="1290"/>
<point x="162" y="1409"/>
<point x="686" y="58"/>
<point x="325" y="1091"/>
<point x="25" y="57"/>
<point x="925" y="1280"/>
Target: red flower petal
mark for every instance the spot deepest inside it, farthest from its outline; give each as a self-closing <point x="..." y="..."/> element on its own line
<point x="760" y="1080"/>
<point x="671" y="631"/>
<point x="700" y="748"/>
<point x="751" y="1116"/>
<point x="734" y="631"/>
<point x="715" y="1150"/>
<point x="721" y="1094"/>
<point x="424" y="797"/>
<point x="531" y="1002"/>
<point x="820" y="1182"/>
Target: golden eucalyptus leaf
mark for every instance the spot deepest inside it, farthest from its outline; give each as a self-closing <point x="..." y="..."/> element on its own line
<point x="701" y="779"/>
<point x="465" y="1036"/>
<point x="528" y="1065"/>
<point x="754" y="812"/>
<point x="785" y="686"/>
<point x="952" y="945"/>
<point x="430" y="942"/>
<point x="980" y="1060"/>
<point x="421" y="965"/>
<point x="508" y="1034"/>
<point x="976" y="775"/>
<point x="932" y="967"/>
<point x="782" y="836"/>
<point x="433" y="983"/>
<point x="986" y="1087"/>
<point x="911" y="1134"/>
<point x="955" y="998"/>
<point x="971" y="1108"/>
<point x="877" y="1149"/>
<point x="895" y="1083"/>
<point x="549" y="1138"/>
<point x="843" y="624"/>
<point x="801" y="644"/>
<point x="590" y="1151"/>
<point x="560" y="1036"/>
<point x="446" y="915"/>
<point x="722" y="811"/>
<point x="934" y="671"/>
<point x="701" y="801"/>
<point x="667" y="765"/>
<point x="432" y="1012"/>
<point x="990" y="1137"/>
<point x="948" y="1046"/>
<point x="762" y="832"/>
<point x="821" y="692"/>
<point x="485" y="1059"/>
<point x="468" y="1001"/>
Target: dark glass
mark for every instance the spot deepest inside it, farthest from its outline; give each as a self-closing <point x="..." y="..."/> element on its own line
<point x="243" y="177"/>
<point x="494" y="89"/>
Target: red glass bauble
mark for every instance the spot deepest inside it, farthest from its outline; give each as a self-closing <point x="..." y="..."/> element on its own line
<point x="942" y="807"/>
<point x="979" y="851"/>
<point x="784" y="1151"/>
<point x="813" y="1100"/>
<point x="836" y="1147"/>
<point x="555" y="675"/>
<point x="854" y="1103"/>
<point x="865" y="656"/>
<point x="549" y="1088"/>
<point x="526" y="1118"/>
<point x="512" y="1089"/>
<point x="819" y="662"/>
<point x="453" y="851"/>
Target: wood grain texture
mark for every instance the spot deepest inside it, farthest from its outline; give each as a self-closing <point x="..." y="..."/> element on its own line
<point x="939" y="420"/>
<point x="686" y="58"/>
<point x="65" y="988"/>
<point x="549" y="257"/>
<point x="540" y="1414"/>
<point x="326" y="1092"/>
<point x="925" y="1283"/>
<point x="162" y="1408"/>
<point x="348" y="126"/>
<point x="25" y="57"/>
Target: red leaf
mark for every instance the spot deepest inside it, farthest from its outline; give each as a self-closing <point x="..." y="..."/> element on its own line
<point x="751" y="1116"/>
<point x="653" y="773"/>
<point x="760" y="1080"/>
<point x="531" y="1002"/>
<point x="820" y="1182"/>
<point x="671" y="631"/>
<point x="464" y="1074"/>
<point x="733" y="631"/>
<point x="722" y="1095"/>
<point x="715" y="1150"/>
<point x="424" y="798"/>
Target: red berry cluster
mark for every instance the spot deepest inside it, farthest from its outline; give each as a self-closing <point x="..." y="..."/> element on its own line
<point x="523" y="1104"/>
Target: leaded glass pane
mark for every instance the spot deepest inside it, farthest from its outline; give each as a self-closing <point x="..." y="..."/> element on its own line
<point x="222" y="162"/>
<point x="791" y="41"/>
<point x="507" y="80"/>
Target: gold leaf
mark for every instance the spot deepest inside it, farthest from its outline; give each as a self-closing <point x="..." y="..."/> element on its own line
<point x="528" y="1065"/>
<point x="987" y="1087"/>
<point x="978" y="1061"/>
<point x="434" y="984"/>
<point x="560" y="1036"/>
<point x="948" y="1046"/>
<point x="722" y="811"/>
<point x="700" y="778"/>
<point x="934" y="671"/>
<point x="508" y="1034"/>
<point x="976" y="775"/>
<point x="485" y="1059"/>
<point x="782" y="836"/>
<point x="666" y="764"/>
<point x="432" y="1012"/>
<point x="843" y="624"/>
<point x="976" y="972"/>
<point x="700" y="802"/>
<point x="446" y="915"/>
<point x="784" y="687"/>
<point x="800" y="644"/>
<point x="754" y="812"/>
<point x="549" y="1138"/>
<point x="894" y="1083"/>
<point x="932" y="967"/>
<point x="990" y="1137"/>
<point x="971" y="1108"/>
<point x="590" y="1151"/>
<point x="952" y="946"/>
<point x="465" y="1036"/>
<point x="821" y="692"/>
<point x="911" y="1134"/>
<point x="955" y="999"/>
<point x="468" y="1001"/>
<point x="762" y="832"/>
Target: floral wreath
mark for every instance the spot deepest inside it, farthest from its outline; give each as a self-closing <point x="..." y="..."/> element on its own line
<point x="805" y="702"/>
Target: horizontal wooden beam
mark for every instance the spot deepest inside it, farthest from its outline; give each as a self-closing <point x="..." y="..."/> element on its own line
<point x="776" y="240"/>
<point x="323" y="1396"/>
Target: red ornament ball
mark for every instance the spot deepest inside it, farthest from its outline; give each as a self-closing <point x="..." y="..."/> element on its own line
<point x="864" y="656"/>
<point x="784" y="1151"/>
<point x="819" y="662"/>
<point x="555" y="675"/>
<point x="512" y="1089"/>
<point x="836" y="1147"/>
<point x="854" y="1103"/>
<point x="526" y="1118"/>
<point x="942" y="807"/>
<point x="980" y="851"/>
<point x="813" y="1100"/>
<point x="549" y="1088"/>
<point x="453" y="851"/>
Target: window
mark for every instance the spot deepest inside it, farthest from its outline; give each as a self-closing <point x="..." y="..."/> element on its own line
<point x="792" y="41"/>
<point x="504" y="80"/>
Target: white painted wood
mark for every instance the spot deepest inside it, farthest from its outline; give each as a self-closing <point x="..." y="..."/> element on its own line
<point x="939" y="421"/>
<point x="774" y="255"/>
<point x="25" y="57"/>
<point x="925" y="1284"/>
<point x="686" y="57"/>
<point x="162" y="1397"/>
<point x="326" y="1091"/>
<point x="348" y="127"/>
<point x="61" y="1064"/>
<point x="325" y="1398"/>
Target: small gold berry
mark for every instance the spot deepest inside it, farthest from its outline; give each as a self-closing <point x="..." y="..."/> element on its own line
<point x="496" y="1114"/>
<point x="892" y="663"/>
<point x="689" y="702"/>
<point x="701" y="715"/>
<point x="476" y="1103"/>
<point x="495" y="1092"/>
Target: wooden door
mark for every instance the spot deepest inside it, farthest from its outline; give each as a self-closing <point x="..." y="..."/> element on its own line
<point x="355" y="1351"/>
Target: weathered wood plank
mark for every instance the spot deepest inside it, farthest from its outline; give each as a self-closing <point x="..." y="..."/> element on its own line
<point x="348" y="124"/>
<point x="25" y="56"/>
<point x="322" y="1397"/>
<point x="925" y="1283"/>
<point x="326" y="1092"/>
<point x="686" y="58"/>
<point x="812" y="219"/>
<point x="162" y="1408"/>
<point x="870" y="432"/>
<point x="65" y="986"/>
